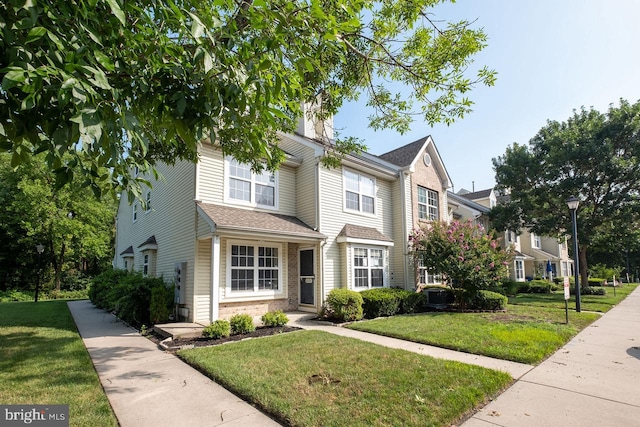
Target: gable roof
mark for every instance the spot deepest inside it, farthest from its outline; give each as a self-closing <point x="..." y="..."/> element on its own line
<point x="482" y="194"/>
<point x="408" y="155"/>
<point x="128" y="251"/>
<point x="466" y="202"/>
<point x="225" y="218"/>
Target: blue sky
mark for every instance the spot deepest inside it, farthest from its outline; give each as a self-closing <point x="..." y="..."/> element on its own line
<point x="551" y="57"/>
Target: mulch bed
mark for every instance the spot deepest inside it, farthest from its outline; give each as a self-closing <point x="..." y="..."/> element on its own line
<point x="178" y="343"/>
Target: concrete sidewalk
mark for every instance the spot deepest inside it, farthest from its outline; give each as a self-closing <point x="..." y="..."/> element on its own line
<point x="594" y="380"/>
<point x="149" y="387"/>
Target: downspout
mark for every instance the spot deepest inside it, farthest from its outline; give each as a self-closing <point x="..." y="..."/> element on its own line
<point x="316" y="188"/>
<point x="405" y="232"/>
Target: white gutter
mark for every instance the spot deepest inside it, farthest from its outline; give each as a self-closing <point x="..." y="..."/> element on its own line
<point x="405" y="232"/>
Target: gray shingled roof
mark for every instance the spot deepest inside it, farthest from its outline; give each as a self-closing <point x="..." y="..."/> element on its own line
<point x="228" y="218"/>
<point x="406" y="154"/>
<point x="469" y="203"/>
<point x="359" y="232"/>
<point x="150" y="241"/>
<point x="129" y="250"/>
<point x="482" y="194"/>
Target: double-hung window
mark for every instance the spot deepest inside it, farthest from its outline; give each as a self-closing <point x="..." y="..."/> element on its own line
<point x="359" y="192"/>
<point x="537" y="242"/>
<point x="247" y="187"/>
<point x="519" y="270"/>
<point x="134" y="212"/>
<point x="255" y="267"/>
<point x="425" y="276"/>
<point x="368" y="268"/>
<point x="427" y="204"/>
<point x="148" y="202"/>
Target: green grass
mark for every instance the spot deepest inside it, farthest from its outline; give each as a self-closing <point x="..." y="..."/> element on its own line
<point x="43" y="361"/>
<point x="524" y="334"/>
<point x="599" y="303"/>
<point x="313" y="378"/>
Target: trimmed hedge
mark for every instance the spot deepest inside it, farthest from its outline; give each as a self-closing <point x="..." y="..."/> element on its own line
<point x="218" y="329"/>
<point x="241" y="324"/>
<point x="487" y="300"/>
<point x="343" y="305"/>
<point x="383" y="302"/>
<point x="536" y="287"/>
<point x="588" y="290"/>
<point x="595" y="281"/>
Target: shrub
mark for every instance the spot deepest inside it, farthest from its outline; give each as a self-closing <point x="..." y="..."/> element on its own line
<point x="77" y="294"/>
<point x="595" y="281"/>
<point x="412" y="302"/>
<point x="15" y="295"/>
<point x="380" y="302"/>
<point x="241" y="324"/>
<point x="487" y="300"/>
<point x="343" y="305"/>
<point x="536" y="287"/>
<point x="274" y="319"/>
<point x="587" y="290"/>
<point x="510" y="287"/>
<point x="218" y="329"/>
<point x="161" y="304"/>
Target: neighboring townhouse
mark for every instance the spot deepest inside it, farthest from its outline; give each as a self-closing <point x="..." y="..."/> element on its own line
<point x="534" y="255"/>
<point x="233" y="240"/>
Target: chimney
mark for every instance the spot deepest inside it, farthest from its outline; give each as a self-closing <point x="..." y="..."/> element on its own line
<point x="310" y="126"/>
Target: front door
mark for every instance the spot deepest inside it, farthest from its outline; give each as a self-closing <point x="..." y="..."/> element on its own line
<point x="307" y="269"/>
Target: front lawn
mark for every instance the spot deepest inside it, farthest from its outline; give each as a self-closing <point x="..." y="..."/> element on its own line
<point x="524" y="334"/>
<point x="313" y="378"/>
<point x="600" y="303"/>
<point x="43" y="361"/>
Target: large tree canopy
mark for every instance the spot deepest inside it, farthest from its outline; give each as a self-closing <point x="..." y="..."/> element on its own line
<point x="593" y="156"/>
<point x="118" y="84"/>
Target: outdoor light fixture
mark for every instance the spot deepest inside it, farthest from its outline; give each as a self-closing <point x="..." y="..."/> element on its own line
<point x="573" y="203"/>
<point x="40" y="250"/>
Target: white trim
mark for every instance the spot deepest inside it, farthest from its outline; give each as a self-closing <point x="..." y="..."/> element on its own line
<point x="256" y="294"/>
<point x="369" y="242"/>
<point x="215" y="278"/>
<point x="369" y="268"/>
<point x="147" y="199"/>
<point x="134" y="212"/>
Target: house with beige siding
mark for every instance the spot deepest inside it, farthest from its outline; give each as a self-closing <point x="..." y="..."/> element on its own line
<point x="237" y="241"/>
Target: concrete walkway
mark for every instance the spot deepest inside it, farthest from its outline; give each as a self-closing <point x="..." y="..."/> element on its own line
<point x="594" y="380"/>
<point x="149" y="387"/>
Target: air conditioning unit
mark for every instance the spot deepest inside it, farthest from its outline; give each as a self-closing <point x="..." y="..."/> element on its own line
<point x="436" y="297"/>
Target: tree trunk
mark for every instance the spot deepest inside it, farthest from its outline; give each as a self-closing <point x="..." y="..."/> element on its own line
<point x="584" y="276"/>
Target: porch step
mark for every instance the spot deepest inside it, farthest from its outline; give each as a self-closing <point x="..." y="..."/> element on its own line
<point x="179" y="330"/>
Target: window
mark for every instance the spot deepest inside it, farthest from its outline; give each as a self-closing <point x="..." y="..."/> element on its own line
<point x="512" y="237"/>
<point x="145" y="266"/>
<point x="565" y="269"/>
<point x="537" y="243"/>
<point x="519" y="270"/>
<point x="135" y="212"/>
<point x="368" y="268"/>
<point x="148" y="201"/>
<point x="248" y="187"/>
<point x="255" y="268"/>
<point x="427" y="204"/>
<point x="426" y="277"/>
<point x="359" y="192"/>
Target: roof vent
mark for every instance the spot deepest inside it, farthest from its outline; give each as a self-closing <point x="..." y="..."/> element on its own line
<point x="426" y="159"/>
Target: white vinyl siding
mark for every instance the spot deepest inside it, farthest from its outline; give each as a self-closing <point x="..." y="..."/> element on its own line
<point x="202" y="282"/>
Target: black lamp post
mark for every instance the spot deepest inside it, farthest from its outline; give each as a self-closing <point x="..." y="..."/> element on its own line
<point x="40" y="249"/>
<point x="573" y="202"/>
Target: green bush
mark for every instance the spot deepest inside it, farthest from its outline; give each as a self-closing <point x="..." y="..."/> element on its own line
<point x="77" y="294"/>
<point x="15" y="295"/>
<point x="161" y="304"/>
<point x="587" y="290"/>
<point x="343" y="305"/>
<point x="218" y="329"/>
<point x="487" y="300"/>
<point x="380" y="302"/>
<point x="241" y="324"/>
<point x="412" y="302"/>
<point x="510" y="287"/>
<point x="595" y="281"/>
<point x="536" y="287"/>
<point x="274" y="319"/>
<point x="102" y="285"/>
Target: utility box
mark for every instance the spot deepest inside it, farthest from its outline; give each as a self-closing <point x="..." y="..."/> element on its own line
<point x="180" y="281"/>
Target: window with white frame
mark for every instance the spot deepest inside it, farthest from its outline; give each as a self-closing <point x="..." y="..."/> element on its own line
<point x="254" y="268"/>
<point x="565" y="269"/>
<point x="359" y="192"/>
<point x="248" y="187"/>
<point x="427" y="204"/>
<point x="537" y="242"/>
<point x="148" y="201"/>
<point x="519" y="269"/>
<point x="368" y="268"/>
<point x="425" y="276"/>
<point x="135" y="212"/>
<point x="145" y="266"/>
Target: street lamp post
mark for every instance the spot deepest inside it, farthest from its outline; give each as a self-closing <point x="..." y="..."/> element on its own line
<point x="572" y="203"/>
<point x="40" y="249"/>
